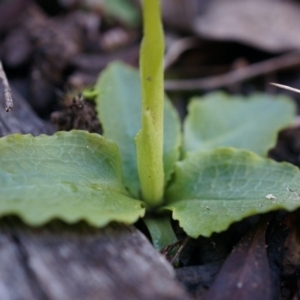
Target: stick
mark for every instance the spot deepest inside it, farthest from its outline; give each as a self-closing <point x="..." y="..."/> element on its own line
<point x="180" y="249"/>
<point x="290" y="60"/>
<point x="286" y="87"/>
<point x="9" y="105"/>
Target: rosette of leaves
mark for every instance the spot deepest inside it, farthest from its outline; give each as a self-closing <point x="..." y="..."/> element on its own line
<point x="207" y="176"/>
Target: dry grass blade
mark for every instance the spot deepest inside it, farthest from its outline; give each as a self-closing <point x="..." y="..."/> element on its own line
<point x="7" y="91"/>
<point x="286" y="87"/>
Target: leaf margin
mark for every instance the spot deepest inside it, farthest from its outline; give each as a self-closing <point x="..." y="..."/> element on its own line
<point x="172" y="205"/>
<point x="136" y="211"/>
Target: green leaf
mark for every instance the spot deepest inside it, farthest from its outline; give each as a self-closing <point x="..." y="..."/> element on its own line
<point x="172" y="138"/>
<point x="234" y="121"/>
<point x="149" y="141"/>
<point x="89" y="93"/>
<point x="124" y="11"/>
<point x="119" y="108"/>
<point x="161" y="231"/>
<point x="212" y="189"/>
<point x="72" y="176"/>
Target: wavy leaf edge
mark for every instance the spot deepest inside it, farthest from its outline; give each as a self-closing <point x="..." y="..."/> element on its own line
<point x="270" y="206"/>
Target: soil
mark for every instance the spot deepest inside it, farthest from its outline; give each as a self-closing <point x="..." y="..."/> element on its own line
<point x="288" y="147"/>
<point x="51" y="49"/>
<point x="76" y="113"/>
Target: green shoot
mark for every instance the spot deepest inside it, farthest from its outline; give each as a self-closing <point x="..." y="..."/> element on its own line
<point x="149" y="141"/>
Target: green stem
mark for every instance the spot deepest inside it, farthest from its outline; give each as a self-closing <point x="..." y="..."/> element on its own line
<point x="149" y="141"/>
<point x="161" y="231"/>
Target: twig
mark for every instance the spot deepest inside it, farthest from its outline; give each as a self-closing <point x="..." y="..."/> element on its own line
<point x="285" y="61"/>
<point x="9" y="105"/>
<point x="285" y="87"/>
<point x="296" y="122"/>
<point x="180" y="249"/>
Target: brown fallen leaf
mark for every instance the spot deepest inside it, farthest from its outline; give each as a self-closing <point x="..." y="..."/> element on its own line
<point x="271" y="25"/>
<point x="291" y="258"/>
<point x="180" y="14"/>
<point x="246" y="272"/>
